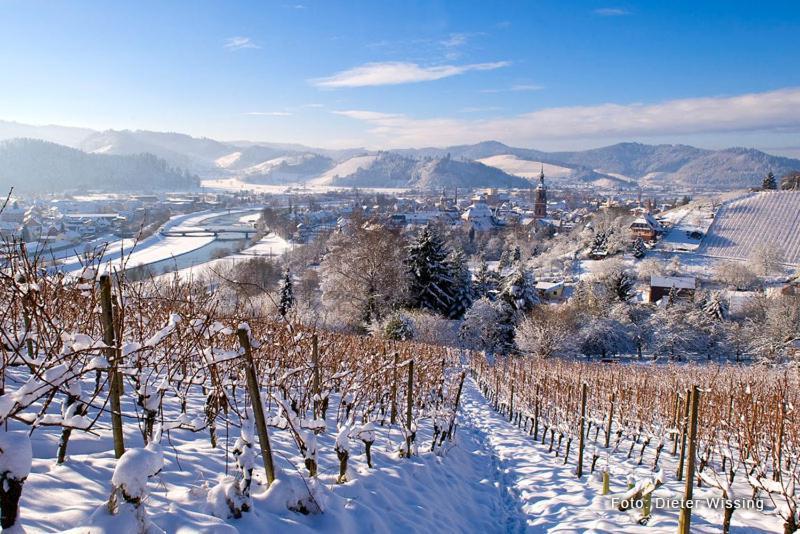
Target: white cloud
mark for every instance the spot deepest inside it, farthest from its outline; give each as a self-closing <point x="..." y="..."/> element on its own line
<point x="397" y="72"/>
<point x="239" y="42"/>
<point x="611" y="12"/>
<point x="268" y="114"/>
<point x="773" y="110"/>
<point x="523" y="87"/>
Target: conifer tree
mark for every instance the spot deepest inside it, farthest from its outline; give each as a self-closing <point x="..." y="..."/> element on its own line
<point x="287" y="295"/>
<point x="518" y="290"/>
<point x="484" y="281"/>
<point x="431" y="283"/>
<point x="462" y="284"/>
<point x="639" y="250"/>
<point x="769" y="182"/>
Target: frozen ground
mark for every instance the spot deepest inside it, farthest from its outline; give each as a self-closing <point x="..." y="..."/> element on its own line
<point x="156" y="247"/>
<point x="494" y="478"/>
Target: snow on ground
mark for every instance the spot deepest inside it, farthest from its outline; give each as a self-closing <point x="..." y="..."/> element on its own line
<point x="345" y="168"/>
<point x="270" y="245"/>
<point x="156" y="247"/>
<point x="226" y="161"/>
<point x="548" y="496"/>
<point x="688" y="226"/>
<point x="236" y="184"/>
<point x="524" y="167"/>
<point x="743" y="225"/>
<point x="494" y="478"/>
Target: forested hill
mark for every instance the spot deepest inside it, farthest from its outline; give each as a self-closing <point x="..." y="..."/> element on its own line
<point x="31" y="165"/>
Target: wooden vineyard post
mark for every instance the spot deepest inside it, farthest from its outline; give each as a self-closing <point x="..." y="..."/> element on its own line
<point x="536" y="414"/>
<point x="675" y="423"/>
<point x="581" y="439"/>
<point x="114" y="377"/>
<point x="458" y="400"/>
<point x="409" y="405"/>
<point x="610" y="419"/>
<point x="682" y="459"/>
<point x="511" y="403"/>
<point x="315" y="363"/>
<point x="394" y="388"/>
<point x="258" y="408"/>
<point x="686" y="511"/>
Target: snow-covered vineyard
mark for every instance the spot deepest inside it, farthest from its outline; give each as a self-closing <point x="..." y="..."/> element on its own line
<point x="133" y="407"/>
<point x="742" y="225"/>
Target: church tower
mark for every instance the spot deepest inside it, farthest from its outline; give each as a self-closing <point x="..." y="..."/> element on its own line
<point x="540" y="201"/>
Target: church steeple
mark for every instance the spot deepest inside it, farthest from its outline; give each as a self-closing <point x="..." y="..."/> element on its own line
<point x="540" y="202"/>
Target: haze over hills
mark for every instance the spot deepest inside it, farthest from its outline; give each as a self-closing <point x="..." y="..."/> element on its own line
<point x="32" y="165"/>
<point x="486" y="164"/>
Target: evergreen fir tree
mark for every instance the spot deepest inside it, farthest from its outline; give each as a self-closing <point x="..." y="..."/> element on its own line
<point x="620" y="285"/>
<point x="431" y="284"/>
<point x="639" y="250"/>
<point x="462" y="285"/>
<point x="519" y="290"/>
<point x="769" y="182"/>
<point x="484" y="282"/>
<point x="715" y="307"/>
<point x="287" y="295"/>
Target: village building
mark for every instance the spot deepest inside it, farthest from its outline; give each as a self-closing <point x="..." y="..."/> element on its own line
<point x="646" y="227"/>
<point x="681" y="287"/>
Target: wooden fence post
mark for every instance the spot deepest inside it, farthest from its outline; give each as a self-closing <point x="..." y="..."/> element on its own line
<point x="394" y="388"/>
<point x="675" y="422"/>
<point x="682" y="459"/>
<point x="610" y="419"/>
<point x="258" y="408"/>
<point x="584" y="391"/>
<point x="686" y="511"/>
<point x="315" y="384"/>
<point x="112" y="355"/>
<point x="536" y="414"/>
<point x="455" y="409"/>
<point x="409" y="406"/>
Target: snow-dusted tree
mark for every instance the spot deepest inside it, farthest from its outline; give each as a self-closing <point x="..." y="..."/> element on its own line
<point x="639" y="250"/>
<point x="486" y="326"/>
<point x="518" y="289"/>
<point x="603" y="337"/>
<point x="619" y="284"/>
<point x="636" y="320"/>
<point x="767" y="259"/>
<point x="431" y="283"/>
<point x="462" y="284"/>
<point x="363" y="274"/>
<point x="769" y="183"/>
<point x="484" y="281"/>
<point x="735" y="275"/>
<point x="287" y="294"/>
<point x="677" y="332"/>
<point x="543" y="332"/>
<point x="715" y="306"/>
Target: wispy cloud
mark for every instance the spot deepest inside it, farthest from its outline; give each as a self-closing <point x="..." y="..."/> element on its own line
<point x="397" y="72"/>
<point x="517" y="88"/>
<point x="774" y="110"/>
<point x="239" y="43"/>
<point x="611" y="12"/>
<point x="268" y="114"/>
<point x="478" y="109"/>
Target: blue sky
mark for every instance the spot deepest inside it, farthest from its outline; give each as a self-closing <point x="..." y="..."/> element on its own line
<point x="549" y="74"/>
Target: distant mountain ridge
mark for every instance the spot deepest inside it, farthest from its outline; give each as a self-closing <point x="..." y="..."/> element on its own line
<point x="623" y="165"/>
<point x="32" y="165"/>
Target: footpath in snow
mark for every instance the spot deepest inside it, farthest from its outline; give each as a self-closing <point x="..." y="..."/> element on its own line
<point x="541" y="494"/>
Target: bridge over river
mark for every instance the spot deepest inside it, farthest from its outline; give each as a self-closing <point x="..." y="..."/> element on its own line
<point x="208" y="231"/>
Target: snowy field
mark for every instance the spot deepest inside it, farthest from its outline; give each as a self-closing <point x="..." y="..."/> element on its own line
<point x="525" y="168"/>
<point x="156" y="247"/>
<point x="742" y="225"/>
<point x="493" y="478"/>
<point x="269" y="246"/>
